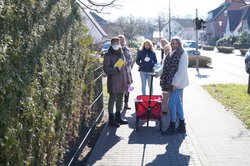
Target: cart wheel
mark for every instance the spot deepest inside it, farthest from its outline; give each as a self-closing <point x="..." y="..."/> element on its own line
<point x="160" y="125"/>
<point x="137" y="124"/>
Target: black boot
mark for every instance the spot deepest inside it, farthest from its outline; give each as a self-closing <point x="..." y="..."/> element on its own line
<point x="171" y="129"/>
<point x="119" y="119"/>
<point x="182" y="126"/>
<point x="112" y="121"/>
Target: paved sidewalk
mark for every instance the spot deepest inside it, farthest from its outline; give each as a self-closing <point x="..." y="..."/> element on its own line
<point x="214" y="136"/>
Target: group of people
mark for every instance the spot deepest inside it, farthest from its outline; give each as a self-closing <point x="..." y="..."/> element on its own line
<point x="172" y="71"/>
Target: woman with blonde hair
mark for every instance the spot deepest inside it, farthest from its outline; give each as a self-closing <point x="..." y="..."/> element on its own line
<point x="165" y="94"/>
<point x="164" y="43"/>
<point x="146" y="59"/>
<point x="173" y="80"/>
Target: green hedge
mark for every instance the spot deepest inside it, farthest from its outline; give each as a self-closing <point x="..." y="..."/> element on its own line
<point x="243" y="51"/>
<point x="223" y="42"/>
<point x="204" y="61"/>
<point x="241" y="45"/>
<point x="44" y="65"/>
<point x="208" y="48"/>
<point x="225" y="49"/>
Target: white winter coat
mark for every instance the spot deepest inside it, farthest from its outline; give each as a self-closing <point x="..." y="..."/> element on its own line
<point x="180" y="79"/>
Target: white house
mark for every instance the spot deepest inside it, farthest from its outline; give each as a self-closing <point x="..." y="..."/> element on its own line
<point x="95" y="30"/>
<point x="184" y="28"/>
<point x="156" y="36"/>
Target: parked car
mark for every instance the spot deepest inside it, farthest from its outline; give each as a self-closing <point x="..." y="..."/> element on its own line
<point x="158" y="45"/>
<point x="190" y="47"/>
<point x="247" y="61"/>
<point x="105" y="47"/>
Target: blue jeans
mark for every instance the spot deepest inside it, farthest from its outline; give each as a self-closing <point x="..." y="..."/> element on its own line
<point x="144" y="78"/>
<point x="175" y="105"/>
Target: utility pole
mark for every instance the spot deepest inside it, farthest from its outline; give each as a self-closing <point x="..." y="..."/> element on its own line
<point x="196" y="52"/>
<point x="160" y="27"/>
<point x="169" y="20"/>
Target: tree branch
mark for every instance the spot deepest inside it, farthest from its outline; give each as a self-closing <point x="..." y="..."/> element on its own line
<point x="101" y="4"/>
<point x="95" y="6"/>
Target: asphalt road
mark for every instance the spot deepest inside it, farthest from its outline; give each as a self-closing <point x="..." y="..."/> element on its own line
<point x="230" y="63"/>
<point x="225" y="68"/>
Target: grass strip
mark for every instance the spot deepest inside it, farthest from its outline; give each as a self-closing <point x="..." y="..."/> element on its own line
<point x="233" y="97"/>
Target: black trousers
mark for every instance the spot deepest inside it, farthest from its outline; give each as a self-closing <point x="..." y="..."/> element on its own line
<point x="126" y="97"/>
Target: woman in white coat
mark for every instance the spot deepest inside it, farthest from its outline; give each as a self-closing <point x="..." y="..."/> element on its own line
<point x="174" y="79"/>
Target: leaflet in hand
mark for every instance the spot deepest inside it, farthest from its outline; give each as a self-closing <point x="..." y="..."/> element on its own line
<point x="119" y="63"/>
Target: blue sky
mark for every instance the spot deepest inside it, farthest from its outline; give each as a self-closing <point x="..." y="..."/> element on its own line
<point x="151" y="8"/>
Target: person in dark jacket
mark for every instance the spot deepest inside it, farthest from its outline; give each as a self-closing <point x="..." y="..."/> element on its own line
<point x="146" y="59"/>
<point x="129" y="60"/>
<point x="116" y="81"/>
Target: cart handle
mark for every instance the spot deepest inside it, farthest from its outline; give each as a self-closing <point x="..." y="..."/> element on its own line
<point x="152" y="73"/>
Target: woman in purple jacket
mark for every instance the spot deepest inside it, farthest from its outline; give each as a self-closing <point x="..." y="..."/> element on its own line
<point x="116" y="82"/>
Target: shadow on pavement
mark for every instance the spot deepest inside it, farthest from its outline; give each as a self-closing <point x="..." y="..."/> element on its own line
<point x="172" y="156"/>
<point x="202" y="76"/>
<point x="151" y="135"/>
<point x="110" y="139"/>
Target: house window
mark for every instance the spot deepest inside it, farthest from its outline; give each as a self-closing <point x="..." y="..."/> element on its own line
<point x="225" y="13"/>
<point x="210" y="15"/>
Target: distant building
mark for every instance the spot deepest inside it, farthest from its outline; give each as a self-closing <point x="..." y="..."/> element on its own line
<point x="217" y="20"/>
<point x="102" y="22"/>
<point x="184" y="28"/>
<point x="157" y="36"/>
<point x="244" y="24"/>
<point x="99" y="19"/>
<point x="95" y="30"/>
<point x="233" y="21"/>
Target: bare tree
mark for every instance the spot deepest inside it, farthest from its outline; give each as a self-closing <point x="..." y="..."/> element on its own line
<point x="162" y="20"/>
<point x="97" y="6"/>
<point x="113" y="29"/>
<point x="131" y="27"/>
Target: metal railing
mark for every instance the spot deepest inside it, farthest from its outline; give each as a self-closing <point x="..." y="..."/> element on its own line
<point x="97" y="106"/>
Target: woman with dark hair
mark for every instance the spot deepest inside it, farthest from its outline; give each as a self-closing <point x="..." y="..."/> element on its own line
<point x="174" y="79"/>
<point x="146" y="59"/>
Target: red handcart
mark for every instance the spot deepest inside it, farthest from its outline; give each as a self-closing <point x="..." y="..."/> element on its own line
<point x="148" y="107"/>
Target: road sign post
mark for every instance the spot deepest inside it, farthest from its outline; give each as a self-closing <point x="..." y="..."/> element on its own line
<point x="196" y="52"/>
